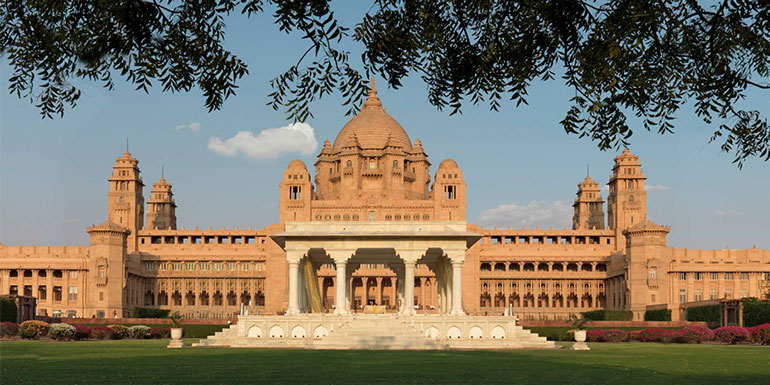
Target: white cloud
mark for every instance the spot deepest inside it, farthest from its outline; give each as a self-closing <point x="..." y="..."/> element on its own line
<point x="657" y="187"/>
<point x="537" y="213"/>
<point x="605" y="188"/>
<point x="269" y="143"/>
<point x="728" y="213"/>
<point x="192" y="126"/>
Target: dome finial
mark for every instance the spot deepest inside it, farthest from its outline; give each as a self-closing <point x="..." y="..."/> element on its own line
<point x="372" y="100"/>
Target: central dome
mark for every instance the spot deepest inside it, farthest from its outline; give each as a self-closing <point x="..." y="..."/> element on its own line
<point x="372" y="127"/>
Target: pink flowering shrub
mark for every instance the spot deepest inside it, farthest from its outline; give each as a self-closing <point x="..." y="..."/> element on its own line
<point x="82" y="332"/>
<point x="8" y="329"/>
<point x="760" y="334"/>
<point x="693" y="334"/>
<point x="606" y="335"/>
<point x="160" y="333"/>
<point x="100" y="333"/>
<point x="594" y="335"/>
<point x="656" y="335"/>
<point x="732" y="334"/>
<point x="614" y="335"/>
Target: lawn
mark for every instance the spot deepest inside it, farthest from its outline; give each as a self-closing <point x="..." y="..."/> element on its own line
<point x="39" y="362"/>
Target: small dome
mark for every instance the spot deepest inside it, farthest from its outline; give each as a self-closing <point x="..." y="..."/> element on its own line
<point x="297" y="164"/>
<point x="372" y="127"/>
<point x="448" y="163"/>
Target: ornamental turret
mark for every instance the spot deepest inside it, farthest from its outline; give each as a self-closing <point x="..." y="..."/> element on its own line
<point x="161" y="208"/>
<point x="588" y="206"/>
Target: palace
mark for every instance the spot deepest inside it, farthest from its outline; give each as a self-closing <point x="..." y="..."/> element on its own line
<point x="371" y="226"/>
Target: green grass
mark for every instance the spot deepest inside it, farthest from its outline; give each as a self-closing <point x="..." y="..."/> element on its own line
<point x="39" y="362"/>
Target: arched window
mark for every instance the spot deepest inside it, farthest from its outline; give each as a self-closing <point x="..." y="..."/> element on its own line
<point x="631" y="198"/>
<point x="630" y="184"/>
<point x="395" y="164"/>
<point x="350" y="164"/>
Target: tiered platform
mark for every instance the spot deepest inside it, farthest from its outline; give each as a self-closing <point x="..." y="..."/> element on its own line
<point x="377" y="332"/>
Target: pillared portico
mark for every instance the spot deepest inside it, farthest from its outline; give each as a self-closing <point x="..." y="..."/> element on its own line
<point x="440" y="245"/>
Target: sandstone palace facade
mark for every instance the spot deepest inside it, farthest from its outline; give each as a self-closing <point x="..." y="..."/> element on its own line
<point x="375" y="227"/>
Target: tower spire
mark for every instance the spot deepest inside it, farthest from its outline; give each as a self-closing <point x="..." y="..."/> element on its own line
<point x="126" y="144"/>
<point x="162" y="174"/>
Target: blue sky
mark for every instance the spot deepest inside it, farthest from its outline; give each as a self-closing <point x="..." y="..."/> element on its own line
<point x="520" y="166"/>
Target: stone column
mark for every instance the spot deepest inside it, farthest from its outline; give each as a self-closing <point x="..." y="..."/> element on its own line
<point x="365" y="286"/>
<point x="408" y="287"/>
<point x="293" y="286"/>
<point x="378" y="294"/>
<point x="457" y="292"/>
<point x="394" y="292"/>
<point x="340" y="286"/>
<point x="422" y="293"/>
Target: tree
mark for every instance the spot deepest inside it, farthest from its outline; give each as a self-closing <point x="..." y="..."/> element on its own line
<point x="621" y="58"/>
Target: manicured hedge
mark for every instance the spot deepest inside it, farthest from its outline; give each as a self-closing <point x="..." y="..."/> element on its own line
<point x="658" y="315"/>
<point x="145" y="312"/>
<point x="8" y="310"/>
<point x="755" y="312"/>
<point x="708" y="313"/>
<point x="608" y="315"/>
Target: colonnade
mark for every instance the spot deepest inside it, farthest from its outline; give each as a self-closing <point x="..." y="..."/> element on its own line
<point x="344" y="260"/>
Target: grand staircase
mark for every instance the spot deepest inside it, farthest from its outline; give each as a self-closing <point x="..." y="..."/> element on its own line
<point x="377" y="332"/>
<point x="370" y="332"/>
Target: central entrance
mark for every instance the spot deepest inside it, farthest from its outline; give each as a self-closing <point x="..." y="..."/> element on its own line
<point x="395" y="250"/>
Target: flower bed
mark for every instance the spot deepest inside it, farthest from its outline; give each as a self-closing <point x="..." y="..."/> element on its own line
<point x="139" y="332"/>
<point x="760" y="334"/>
<point x="654" y="335"/>
<point x="33" y="329"/>
<point x="160" y="333"/>
<point x="606" y="335"/>
<point x="732" y="334"/>
<point x="101" y="333"/>
<point x="8" y="330"/>
<point x="82" y="332"/>
<point x="694" y="334"/>
<point x="62" y="332"/>
<point x="119" y="331"/>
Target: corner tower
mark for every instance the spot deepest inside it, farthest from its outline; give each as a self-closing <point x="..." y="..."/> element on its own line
<point x="589" y="207"/>
<point x="125" y="204"/>
<point x="627" y="201"/>
<point x="161" y="208"/>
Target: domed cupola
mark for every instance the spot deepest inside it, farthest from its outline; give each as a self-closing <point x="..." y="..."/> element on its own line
<point x="372" y="128"/>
